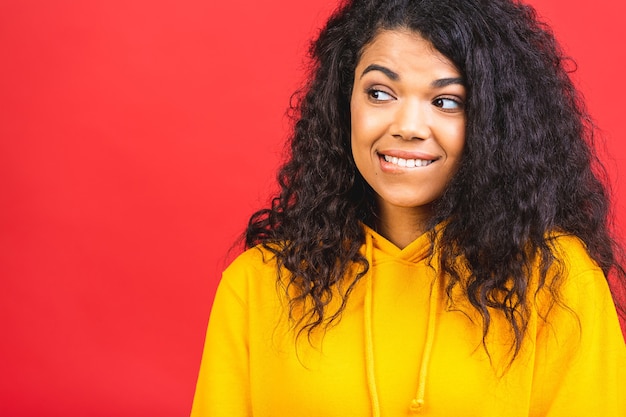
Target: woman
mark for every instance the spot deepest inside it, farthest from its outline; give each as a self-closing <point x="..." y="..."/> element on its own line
<point x="440" y="241"/>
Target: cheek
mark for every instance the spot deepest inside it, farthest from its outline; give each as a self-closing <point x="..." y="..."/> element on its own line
<point x="358" y="128"/>
<point x="360" y="143"/>
<point x="454" y="139"/>
<point x="366" y="126"/>
<point x="356" y="118"/>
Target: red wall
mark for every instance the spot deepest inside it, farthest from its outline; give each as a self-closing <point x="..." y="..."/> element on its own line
<point x="136" y="137"/>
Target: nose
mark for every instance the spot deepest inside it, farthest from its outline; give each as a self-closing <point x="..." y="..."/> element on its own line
<point x="411" y="121"/>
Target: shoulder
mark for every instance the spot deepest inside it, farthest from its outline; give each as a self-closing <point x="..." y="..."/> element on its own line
<point x="572" y="254"/>
<point x="255" y="259"/>
<point x="579" y="283"/>
<point x="251" y="272"/>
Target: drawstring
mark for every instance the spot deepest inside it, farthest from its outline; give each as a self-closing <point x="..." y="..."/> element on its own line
<point x="369" y="339"/>
<point x="418" y="401"/>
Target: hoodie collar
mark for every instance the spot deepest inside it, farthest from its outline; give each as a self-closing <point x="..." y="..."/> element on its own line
<point x="383" y="249"/>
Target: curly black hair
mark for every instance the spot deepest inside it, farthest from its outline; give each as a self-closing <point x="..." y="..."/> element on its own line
<point x="529" y="168"/>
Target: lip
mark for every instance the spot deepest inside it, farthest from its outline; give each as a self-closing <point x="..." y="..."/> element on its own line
<point x="408" y="155"/>
<point x="390" y="167"/>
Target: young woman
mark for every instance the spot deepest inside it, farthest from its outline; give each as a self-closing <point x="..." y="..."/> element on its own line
<point x="440" y="241"/>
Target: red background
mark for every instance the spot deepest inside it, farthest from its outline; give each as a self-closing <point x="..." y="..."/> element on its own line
<point x="136" y="137"/>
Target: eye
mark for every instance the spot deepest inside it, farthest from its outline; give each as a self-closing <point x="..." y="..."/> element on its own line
<point x="447" y="103"/>
<point x="379" y="95"/>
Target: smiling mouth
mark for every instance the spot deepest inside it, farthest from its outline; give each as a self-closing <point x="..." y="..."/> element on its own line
<point x="408" y="163"/>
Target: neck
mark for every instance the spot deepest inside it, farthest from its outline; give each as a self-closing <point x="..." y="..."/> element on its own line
<point x="402" y="225"/>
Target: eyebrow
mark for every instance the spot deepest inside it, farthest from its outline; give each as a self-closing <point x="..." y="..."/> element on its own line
<point x="395" y="76"/>
<point x="389" y="73"/>
<point x="447" y="81"/>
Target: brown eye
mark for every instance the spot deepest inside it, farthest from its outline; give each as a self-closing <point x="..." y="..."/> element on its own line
<point x="448" y="103"/>
<point x="379" y="95"/>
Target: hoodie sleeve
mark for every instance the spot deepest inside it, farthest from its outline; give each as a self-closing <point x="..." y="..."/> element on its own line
<point x="580" y="357"/>
<point x="222" y="389"/>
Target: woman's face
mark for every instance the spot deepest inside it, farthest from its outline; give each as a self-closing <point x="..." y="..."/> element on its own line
<point x="408" y="120"/>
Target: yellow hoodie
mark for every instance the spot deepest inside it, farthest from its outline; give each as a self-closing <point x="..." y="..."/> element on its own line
<point x="401" y="348"/>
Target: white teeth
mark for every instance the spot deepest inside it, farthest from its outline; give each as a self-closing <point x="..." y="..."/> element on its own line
<point x="408" y="163"/>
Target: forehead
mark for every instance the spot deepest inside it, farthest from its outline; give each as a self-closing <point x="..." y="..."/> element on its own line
<point x="403" y="48"/>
